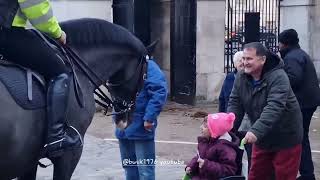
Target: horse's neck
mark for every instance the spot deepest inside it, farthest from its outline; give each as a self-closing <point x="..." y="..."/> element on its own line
<point x="103" y="62"/>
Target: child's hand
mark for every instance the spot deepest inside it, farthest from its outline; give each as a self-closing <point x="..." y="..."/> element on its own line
<point x="201" y="162"/>
<point x="188" y="170"/>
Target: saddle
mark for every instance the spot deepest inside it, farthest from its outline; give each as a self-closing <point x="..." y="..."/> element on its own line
<point x="28" y="88"/>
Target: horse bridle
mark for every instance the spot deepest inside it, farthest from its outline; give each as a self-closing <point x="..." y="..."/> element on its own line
<point x="142" y="66"/>
<point x="103" y="100"/>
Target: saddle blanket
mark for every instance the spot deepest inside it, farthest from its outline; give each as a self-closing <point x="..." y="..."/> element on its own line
<point x="16" y="80"/>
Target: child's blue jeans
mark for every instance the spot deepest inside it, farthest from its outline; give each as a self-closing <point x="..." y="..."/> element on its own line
<point x="138" y="157"/>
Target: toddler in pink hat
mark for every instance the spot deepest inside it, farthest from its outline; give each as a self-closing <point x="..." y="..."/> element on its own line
<point x="220" y="123"/>
<point x="217" y="149"/>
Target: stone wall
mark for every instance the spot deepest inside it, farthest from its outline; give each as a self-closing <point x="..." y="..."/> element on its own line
<point x="296" y="14"/>
<point x="73" y="9"/>
<point x="315" y="35"/>
<point x="160" y="29"/>
<point x="210" y="49"/>
<point x="210" y="44"/>
<point x="304" y="16"/>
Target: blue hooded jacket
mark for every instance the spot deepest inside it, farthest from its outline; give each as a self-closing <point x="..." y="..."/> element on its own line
<point x="149" y="104"/>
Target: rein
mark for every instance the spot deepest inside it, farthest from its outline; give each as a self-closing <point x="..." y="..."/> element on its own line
<point x="103" y="100"/>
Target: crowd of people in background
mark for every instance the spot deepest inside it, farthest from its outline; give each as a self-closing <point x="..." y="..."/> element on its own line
<point x="267" y="102"/>
<point x="275" y="97"/>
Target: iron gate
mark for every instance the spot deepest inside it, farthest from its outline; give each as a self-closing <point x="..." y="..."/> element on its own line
<point x="250" y="20"/>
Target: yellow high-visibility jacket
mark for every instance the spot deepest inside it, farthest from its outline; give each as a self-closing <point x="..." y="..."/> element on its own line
<point x="40" y="15"/>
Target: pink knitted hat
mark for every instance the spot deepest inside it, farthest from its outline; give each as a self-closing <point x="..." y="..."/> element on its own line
<point x="220" y="123"/>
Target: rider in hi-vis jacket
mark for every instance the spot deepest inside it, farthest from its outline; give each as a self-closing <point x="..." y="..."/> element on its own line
<point x="23" y="47"/>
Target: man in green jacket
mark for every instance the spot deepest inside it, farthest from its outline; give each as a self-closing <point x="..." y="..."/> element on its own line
<point x="263" y="92"/>
<point x="23" y="47"/>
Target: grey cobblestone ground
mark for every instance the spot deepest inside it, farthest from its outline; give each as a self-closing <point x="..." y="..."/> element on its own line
<point x="101" y="161"/>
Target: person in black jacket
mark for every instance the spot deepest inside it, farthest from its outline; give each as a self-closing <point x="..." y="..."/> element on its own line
<point x="305" y="85"/>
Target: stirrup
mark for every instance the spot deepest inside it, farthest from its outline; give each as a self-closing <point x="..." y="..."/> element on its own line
<point x="52" y="143"/>
<point x="60" y="140"/>
<point x="81" y="140"/>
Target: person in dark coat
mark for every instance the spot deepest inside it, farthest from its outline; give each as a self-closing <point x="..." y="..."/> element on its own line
<point x="217" y="149"/>
<point x="228" y="82"/>
<point x="263" y="91"/>
<point x="305" y="85"/>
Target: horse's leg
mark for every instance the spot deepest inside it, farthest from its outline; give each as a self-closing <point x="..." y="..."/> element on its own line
<point x="31" y="175"/>
<point x="65" y="165"/>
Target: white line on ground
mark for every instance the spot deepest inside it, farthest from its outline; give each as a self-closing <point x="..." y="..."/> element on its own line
<point x="167" y="142"/>
<point x="182" y="142"/>
<point x="107" y="139"/>
<point x="177" y="142"/>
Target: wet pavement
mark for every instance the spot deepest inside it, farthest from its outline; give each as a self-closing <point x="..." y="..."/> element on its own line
<point x="101" y="161"/>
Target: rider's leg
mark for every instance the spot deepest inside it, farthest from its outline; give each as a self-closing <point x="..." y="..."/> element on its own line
<point x="35" y="54"/>
<point x="25" y="48"/>
<point x="59" y="138"/>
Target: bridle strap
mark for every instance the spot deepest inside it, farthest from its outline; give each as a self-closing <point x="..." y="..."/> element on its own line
<point x="141" y="63"/>
<point x="69" y="52"/>
<point x="106" y="101"/>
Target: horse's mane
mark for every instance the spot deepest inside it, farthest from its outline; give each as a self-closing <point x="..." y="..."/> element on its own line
<point x="98" y="32"/>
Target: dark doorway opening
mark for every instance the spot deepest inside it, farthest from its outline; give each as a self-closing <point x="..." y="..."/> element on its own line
<point x="135" y="16"/>
<point x="183" y="50"/>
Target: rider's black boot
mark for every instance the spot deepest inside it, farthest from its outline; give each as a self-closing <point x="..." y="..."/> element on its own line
<point x="60" y="137"/>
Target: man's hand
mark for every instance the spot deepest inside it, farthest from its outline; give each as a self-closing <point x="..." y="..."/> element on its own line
<point x="201" y="162"/>
<point x="250" y="138"/>
<point x="148" y="125"/>
<point x="63" y="38"/>
<point x="188" y="170"/>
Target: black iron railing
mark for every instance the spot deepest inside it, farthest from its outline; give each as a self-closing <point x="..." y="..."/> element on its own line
<point x="236" y="11"/>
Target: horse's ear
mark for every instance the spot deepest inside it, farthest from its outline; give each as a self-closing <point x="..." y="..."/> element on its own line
<point x="152" y="47"/>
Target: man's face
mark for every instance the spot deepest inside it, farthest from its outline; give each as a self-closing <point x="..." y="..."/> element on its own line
<point x="253" y="64"/>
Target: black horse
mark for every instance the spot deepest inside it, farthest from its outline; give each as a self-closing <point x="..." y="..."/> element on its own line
<point x="114" y="55"/>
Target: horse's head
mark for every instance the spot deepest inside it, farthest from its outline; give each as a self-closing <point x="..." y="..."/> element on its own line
<point x="116" y="56"/>
<point x="124" y="86"/>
